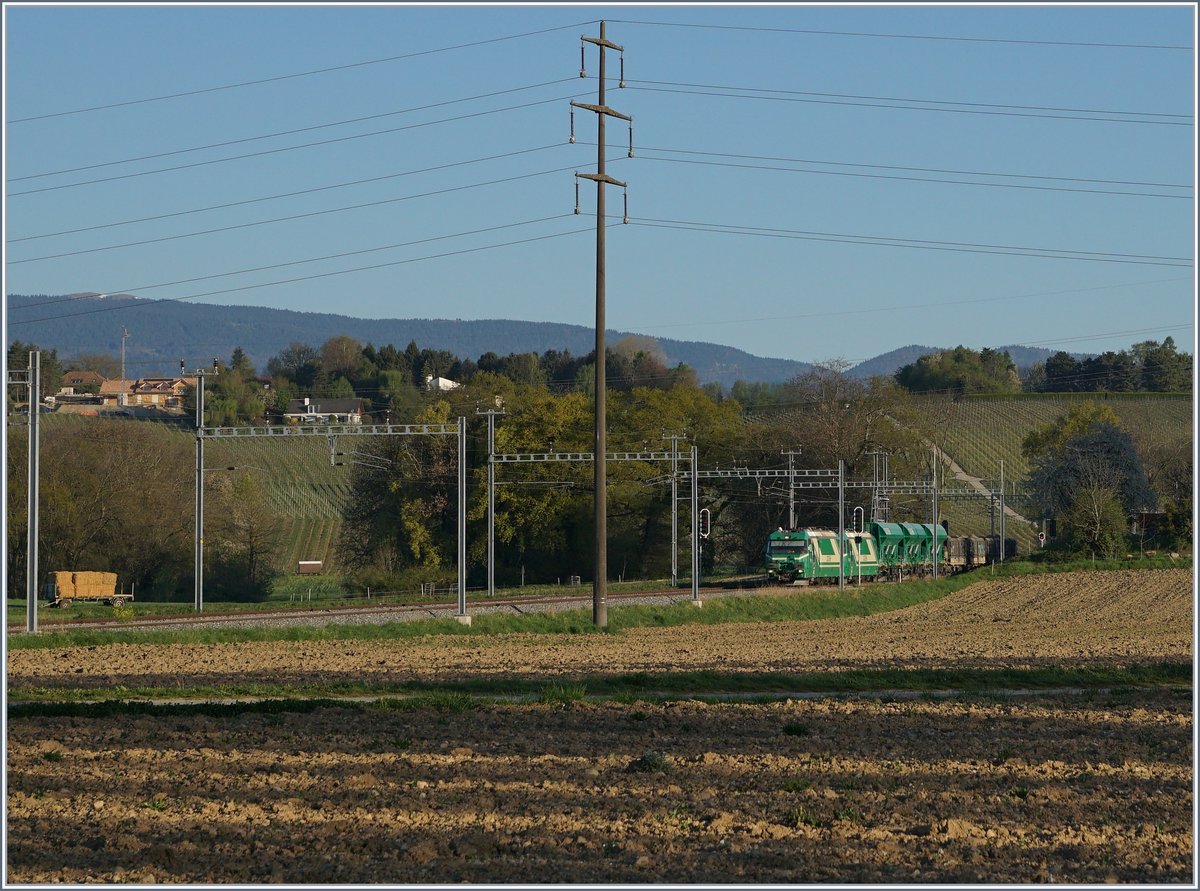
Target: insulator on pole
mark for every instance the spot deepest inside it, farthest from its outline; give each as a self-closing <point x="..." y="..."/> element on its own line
<point x="577" y="197"/>
<point x="626" y="219"/>
<point x="582" y="68"/>
<point x="631" y="137"/>
<point x="621" y="83"/>
<point x="572" y="139"/>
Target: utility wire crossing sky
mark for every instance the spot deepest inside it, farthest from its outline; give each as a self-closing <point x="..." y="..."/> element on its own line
<point x="806" y="182"/>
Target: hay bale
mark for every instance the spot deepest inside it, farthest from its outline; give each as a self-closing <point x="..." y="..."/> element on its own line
<point x="94" y="584"/>
<point x="65" y="582"/>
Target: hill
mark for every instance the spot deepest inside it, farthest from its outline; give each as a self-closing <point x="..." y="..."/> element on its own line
<point x="162" y="332"/>
<point x="889" y="363"/>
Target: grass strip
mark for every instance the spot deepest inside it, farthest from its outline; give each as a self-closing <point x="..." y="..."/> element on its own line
<point x="806" y="604"/>
<point x="444" y="694"/>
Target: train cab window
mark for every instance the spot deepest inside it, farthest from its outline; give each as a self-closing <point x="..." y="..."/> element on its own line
<point x="864" y="546"/>
<point x="789" y="547"/>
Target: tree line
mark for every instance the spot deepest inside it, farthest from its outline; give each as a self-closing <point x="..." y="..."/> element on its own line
<point x="118" y="494"/>
<point x="1146" y="367"/>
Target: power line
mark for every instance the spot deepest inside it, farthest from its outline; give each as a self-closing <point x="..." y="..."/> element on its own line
<point x="357" y="182"/>
<point x="1011" y="114"/>
<point x="909" y="306"/>
<point x="247" y="83"/>
<point x="921" y="179"/>
<point x="290" y="148"/>
<point x="668" y="83"/>
<point x="923" y="244"/>
<point x="385" y="247"/>
<point x="1075" y="179"/>
<point x="906" y="36"/>
<point x="304" y="278"/>
<point x="212" y="145"/>
<point x="300" y="216"/>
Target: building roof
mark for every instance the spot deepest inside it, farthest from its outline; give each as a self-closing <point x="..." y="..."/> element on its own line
<point x="86" y="378"/>
<point x="115" y="386"/>
<point x="310" y="406"/>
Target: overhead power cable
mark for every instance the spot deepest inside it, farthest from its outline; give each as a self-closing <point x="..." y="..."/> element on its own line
<point x="975" y="111"/>
<point x="923" y="244"/>
<point x="942" y="37"/>
<point x="356" y="182"/>
<point x="668" y="83"/>
<point x="909" y="306"/>
<point x="921" y="179"/>
<point x="371" y="117"/>
<point x="303" y="278"/>
<point x="299" y="216"/>
<point x="386" y="247"/>
<point x="993" y="173"/>
<point x="290" y="148"/>
<point x="1126" y="333"/>
<point x="264" y="80"/>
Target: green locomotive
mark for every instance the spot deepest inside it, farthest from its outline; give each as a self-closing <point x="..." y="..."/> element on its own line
<point x="889" y="551"/>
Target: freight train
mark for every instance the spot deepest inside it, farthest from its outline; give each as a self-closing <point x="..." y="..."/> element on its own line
<point x="882" y="552"/>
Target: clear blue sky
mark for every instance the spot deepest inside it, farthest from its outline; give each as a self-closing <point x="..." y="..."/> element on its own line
<point x="1017" y="106"/>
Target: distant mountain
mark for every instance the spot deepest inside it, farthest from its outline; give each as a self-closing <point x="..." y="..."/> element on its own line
<point x="160" y="333"/>
<point x="889" y="363"/>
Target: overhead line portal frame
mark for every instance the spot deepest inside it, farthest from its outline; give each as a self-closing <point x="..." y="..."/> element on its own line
<point x="332" y="432"/>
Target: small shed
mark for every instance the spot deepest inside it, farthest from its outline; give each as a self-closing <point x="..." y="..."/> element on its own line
<point x="308" y="567"/>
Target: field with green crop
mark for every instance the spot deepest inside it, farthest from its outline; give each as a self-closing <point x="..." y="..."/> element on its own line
<point x="980" y="433"/>
<point x="304" y="490"/>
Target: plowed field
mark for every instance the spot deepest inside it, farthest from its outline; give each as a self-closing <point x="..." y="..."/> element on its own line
<point x="1082" y="788"/>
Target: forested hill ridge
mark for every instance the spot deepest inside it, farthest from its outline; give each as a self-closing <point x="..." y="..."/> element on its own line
<point x="889" y="363"/>
<point x="160" y="333"/>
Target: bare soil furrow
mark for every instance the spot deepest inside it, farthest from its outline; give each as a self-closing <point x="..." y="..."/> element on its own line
<point x="1084" y="788"/>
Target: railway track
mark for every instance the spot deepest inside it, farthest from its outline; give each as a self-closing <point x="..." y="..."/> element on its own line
<point x="372" y="614"/>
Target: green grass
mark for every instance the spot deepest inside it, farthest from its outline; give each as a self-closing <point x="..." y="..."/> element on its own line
<point x="807" y="604"/>
<point x="459" y="695"/>
<point x="307" y="592"/>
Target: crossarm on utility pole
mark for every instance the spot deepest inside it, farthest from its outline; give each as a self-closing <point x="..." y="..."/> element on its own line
<point x="603" y="109"/>
<point x="601" y="178"/>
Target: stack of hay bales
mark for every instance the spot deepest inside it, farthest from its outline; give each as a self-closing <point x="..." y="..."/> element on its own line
<point x="85" y="585"/>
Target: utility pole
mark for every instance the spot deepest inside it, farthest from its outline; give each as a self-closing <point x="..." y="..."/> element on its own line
<point x="31" y="562"/>
<point x="879" y="502"/>
<point x="599" y="596"/>
<point x="791" y="488"/>
<point x="124" y="334"/>
<point x="674" y="437"/>
<point x="1001" y="511"/>
<point x="841" y="525"/>
<point x="935" y="515"/>
<point x="491" y="496"/>
<point x="198" y="546"/>
<point x="695" y="524"/>
<point x="463" y="617"/>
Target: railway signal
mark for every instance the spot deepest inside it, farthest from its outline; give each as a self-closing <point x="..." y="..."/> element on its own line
<point x="705" y="523"/>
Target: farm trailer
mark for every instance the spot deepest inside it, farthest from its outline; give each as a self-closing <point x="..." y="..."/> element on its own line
<point x="62" y="588"/>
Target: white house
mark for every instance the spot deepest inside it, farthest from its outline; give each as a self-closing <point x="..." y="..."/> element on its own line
<point x="440" y="383"/>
